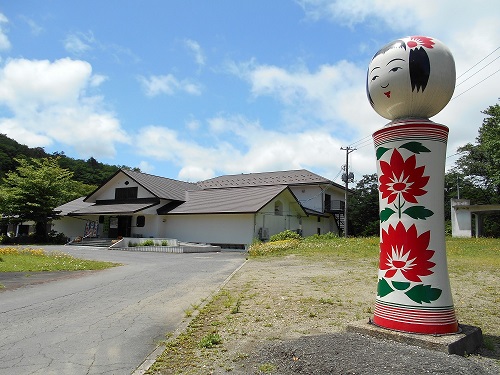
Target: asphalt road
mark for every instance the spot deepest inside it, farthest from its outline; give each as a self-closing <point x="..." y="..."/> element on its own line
<point x="105" y="322"/>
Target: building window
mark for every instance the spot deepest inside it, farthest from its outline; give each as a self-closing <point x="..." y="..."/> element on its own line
<point x="141" y="221"/>
<point x="328" y="202"/>
<point x="126" y="193"/>
<point x="278" y="208"/>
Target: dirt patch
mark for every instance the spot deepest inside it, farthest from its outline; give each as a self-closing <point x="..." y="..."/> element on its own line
<point x="288" y="315"/>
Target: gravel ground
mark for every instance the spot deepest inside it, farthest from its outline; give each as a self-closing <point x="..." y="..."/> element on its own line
<point x="292" y="318"/>
<point x="351" y="353"/>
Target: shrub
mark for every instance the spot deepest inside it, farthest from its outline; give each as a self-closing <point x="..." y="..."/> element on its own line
<point x="57" y="238"/>
<point x="164" y="243"/>
<point x="4" y="239"/>
<point x="210" y="340"/>
<point x="285" y="235"/>
<point x="148" y="243"/>
<point x="322" y="237"/>
<point x="273" y="247"/>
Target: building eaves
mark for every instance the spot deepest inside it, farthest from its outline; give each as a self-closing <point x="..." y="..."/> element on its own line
<point x="112" y="209"/>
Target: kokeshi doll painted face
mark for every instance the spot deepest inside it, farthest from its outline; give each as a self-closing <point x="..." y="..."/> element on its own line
<point x="412" y="77"/>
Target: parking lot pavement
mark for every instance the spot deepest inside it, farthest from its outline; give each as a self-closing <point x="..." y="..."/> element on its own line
<point x="104" y="322"/>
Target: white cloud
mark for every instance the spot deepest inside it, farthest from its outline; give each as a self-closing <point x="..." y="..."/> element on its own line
<point x="331" y="97"/>
<point x="167" y="84"/>
<point x="146" y="167"/>
<point x="48" y="103"/>
<point x="4" y="40"/>
<point x="258" y="149"/>
<point x="79" y="43"/>
<point x="195" y="48"/>
<point x="35" y="28"/>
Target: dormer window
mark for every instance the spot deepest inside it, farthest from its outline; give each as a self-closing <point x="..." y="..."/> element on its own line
<point x="126" y="193"/>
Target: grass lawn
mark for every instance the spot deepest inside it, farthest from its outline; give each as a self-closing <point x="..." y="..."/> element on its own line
<point x="318" y="285"/>
<point x="13" y="259"/>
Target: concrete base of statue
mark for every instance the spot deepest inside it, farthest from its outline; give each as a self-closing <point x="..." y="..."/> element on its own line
<point x="464" y="342"/>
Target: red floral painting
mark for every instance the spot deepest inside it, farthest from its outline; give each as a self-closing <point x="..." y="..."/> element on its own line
<point x="406" y="252"/>
<point x="402" y="178"/>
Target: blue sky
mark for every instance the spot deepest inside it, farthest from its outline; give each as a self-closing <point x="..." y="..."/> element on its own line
<point x="194" y="89"/>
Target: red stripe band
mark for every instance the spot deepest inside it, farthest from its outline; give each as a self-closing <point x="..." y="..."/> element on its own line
<point x="413" y="131"/>
<point x="439" y="320"/>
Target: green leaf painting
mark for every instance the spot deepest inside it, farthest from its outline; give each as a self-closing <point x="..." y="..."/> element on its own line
<point x="423" y="293"/>
<point x="386" y="213"/>
<point x="400" y="285"/>
<point x="415" y="147"/>
<point x="383" y="288"/>
<point x="381" y="151"/>
<point x="418" y="212"/>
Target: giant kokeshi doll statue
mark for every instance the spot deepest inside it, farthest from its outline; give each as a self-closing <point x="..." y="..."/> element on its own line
<point x="410" y="80"/>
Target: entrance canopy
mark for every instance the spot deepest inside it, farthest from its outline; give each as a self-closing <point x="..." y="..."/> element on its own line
<point x="111" y="209"/>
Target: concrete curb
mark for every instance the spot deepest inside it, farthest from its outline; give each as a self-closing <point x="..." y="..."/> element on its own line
<point x="151" y="358"/>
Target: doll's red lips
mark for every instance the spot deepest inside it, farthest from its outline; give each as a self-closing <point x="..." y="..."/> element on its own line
<point x="388" y="94"/>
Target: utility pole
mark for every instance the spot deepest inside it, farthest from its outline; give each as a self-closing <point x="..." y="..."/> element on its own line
<point x="347" y="177"/>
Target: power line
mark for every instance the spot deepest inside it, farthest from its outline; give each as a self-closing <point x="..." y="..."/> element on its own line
<point x="475" y="85"/>
<point x="479" y="62"/>
<point x="484" y="67"/>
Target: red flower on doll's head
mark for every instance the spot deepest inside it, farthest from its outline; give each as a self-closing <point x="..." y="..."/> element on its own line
<point x="416" y="41"/>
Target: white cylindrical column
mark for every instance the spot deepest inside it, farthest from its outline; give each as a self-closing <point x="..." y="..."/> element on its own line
<point x="413" y="293"/>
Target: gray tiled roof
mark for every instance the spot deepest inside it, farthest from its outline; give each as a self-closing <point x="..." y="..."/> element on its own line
<point x="74" y="205"/>
<point x="294" y="177"/>
<point x="228" y="200"/>
<point x="162" y="187"/>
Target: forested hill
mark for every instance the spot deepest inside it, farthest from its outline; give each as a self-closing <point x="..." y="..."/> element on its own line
<point x="89" y="171"/>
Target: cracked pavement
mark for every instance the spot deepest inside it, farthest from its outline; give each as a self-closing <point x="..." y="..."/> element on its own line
<point x="105" y="322"/>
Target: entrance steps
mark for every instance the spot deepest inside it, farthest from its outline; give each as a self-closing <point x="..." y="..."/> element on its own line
<point x="92" y="242"/>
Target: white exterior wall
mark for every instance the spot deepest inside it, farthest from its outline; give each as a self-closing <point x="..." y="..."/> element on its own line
<point x="118" y="181"/>
<point x="290" y="217"/>
<point x="461" y="220"/>
<point x="311" y="197"/>
<point x="214" y="228"/>
<point x="152" y="226"/>
<point x="73" y="227"/>
<point x="311" y="225"/>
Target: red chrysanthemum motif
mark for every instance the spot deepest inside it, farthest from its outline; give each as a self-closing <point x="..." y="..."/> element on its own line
<point x="405" y="251"/>
<point x="416" y="41"/>
<point x="402" y="177"/>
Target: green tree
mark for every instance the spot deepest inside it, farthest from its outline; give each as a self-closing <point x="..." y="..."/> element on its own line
<point x="480" y="162"/>
<point x="363" y="207"/>
<point x="478" y="169"/>
<point x="34" y="189"/>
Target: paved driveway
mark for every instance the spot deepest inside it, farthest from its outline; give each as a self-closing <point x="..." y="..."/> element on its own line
<point x="105" y="322"/>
